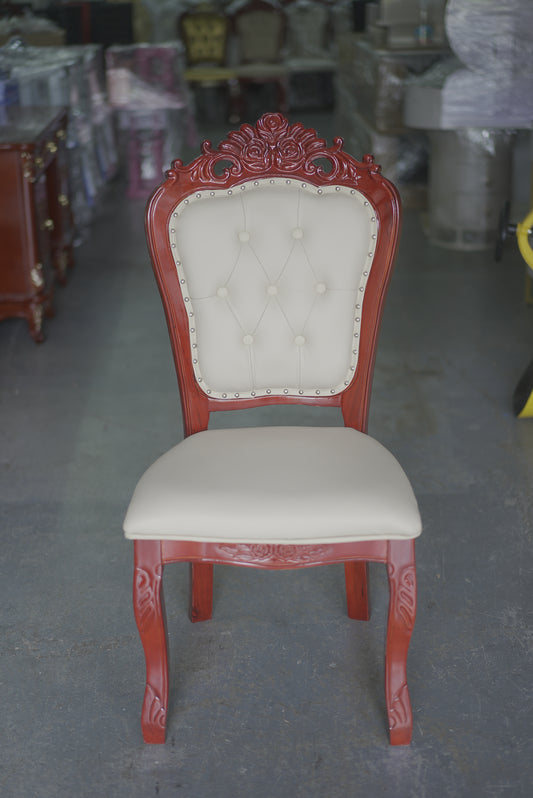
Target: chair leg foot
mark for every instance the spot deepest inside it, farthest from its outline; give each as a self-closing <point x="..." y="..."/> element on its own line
<point x="357" y="593"/>
<point x="149" y="607"/>
<point x="201" y="592"/>
<point x="402" y="610"/>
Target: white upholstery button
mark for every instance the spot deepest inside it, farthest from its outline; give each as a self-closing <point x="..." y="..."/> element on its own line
<point x="248" y="340"/>
<point x="222" y="291"/>
<point x="297" y="232"/>
<point x="320" y="288"/>
<point x="299" y="340"/>
<point x="244" y="236"/>
<point x="272" y="290"/>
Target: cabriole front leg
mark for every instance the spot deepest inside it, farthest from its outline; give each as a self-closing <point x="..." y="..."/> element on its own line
<point x="149" y="607"/>
<point x="402" y="611"/>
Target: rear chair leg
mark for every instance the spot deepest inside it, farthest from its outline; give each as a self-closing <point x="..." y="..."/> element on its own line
<point x="357" y="593"/>
<point x="149" y="607"/>
<point x="201" y="591"/>
<point x="402" y="611"/>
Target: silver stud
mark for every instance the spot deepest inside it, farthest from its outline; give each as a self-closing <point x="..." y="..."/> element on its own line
<point x="172" y="230"/>
<point x="211" y="193"/>
<point x="300" y="392"/>
<point x="208" y="391"/>
<point x="182" y="282"/>
<point x="195" y="361"/>
<point x="337" y="188"/>
<point x="304" y="185"/>
<point x="236" y="395"/>
<point x="332" y="390"/>
<point x="199" y="379"/>
<point x="186" y="202"/>
<point x="195" y="346"/>
<point x="357" y="306"/>
<point x="172" y="244"/>
<point x="191" y="314"/>
<point x="256" y="182"/>
<point x="346" y="382"/>
<point x="224" y="395"/>
<point x="252" y="393"/>
<point x="186" y="298"/>
<point x="361" y="289"/>
<point x="356" y="335"/>
<point x="174" y="214"/>
<point x="352" y="191"/>
<point x="285" y="390"/>
<point x="372" y="218"/>
<point x="272" y="182"/>
<point x="193" y="330"/>
<point x="352" y="368"/>
<point x="366" y="203"/>
<point x="317" y="393"/>
<point x="230" y="191"/>
<point x="365" y="274"/>
<point x="178" y="263"/>
<point x="354" y="351"/>
<point x="243" y="188"/>
<point x="370" y="254"/>
<point x="198" y="196"/>
<point x="358" y="319"/>
<point x="268" y="391"/>
<point x="319" y="191"/>
<point x="288" y="182"/>
<point x="374" y="235"/>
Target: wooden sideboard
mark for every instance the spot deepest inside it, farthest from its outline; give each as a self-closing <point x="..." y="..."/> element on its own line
<point x="36" y="229"/>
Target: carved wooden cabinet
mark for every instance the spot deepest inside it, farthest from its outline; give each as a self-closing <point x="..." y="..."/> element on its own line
<point x="36" y="229"/>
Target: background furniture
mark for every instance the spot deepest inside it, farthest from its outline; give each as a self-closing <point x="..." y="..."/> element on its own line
<point x="273" y="274"/>
<point x="35" y="220"/>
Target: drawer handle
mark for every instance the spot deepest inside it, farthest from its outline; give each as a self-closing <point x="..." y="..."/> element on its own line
<point x="48" y="224"/>
<point x="51" y="146"/>
<point x="37" y="275"/>
<point x="63" y="200"/>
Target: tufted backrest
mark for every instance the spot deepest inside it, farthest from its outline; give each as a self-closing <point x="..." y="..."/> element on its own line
<point x="273" y="274"/>
<point x="273" y="253"/>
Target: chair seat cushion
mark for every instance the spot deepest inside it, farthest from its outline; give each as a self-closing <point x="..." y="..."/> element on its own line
<point x="283" y="485"/>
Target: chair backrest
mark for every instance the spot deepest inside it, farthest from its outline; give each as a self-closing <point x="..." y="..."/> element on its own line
<point x="205" y="36"/>
<point x="260" y="29"/>
<point x="273" y="253"/>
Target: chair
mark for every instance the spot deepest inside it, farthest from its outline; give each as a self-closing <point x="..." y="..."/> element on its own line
<point x="260" y="30"/>
<point x="205" y="34"/>
<point x="273" y="272"/>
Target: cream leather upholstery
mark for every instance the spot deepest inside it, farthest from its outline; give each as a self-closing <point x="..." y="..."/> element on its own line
<point x="274" y="273"/>
<point x="278" y="485"/>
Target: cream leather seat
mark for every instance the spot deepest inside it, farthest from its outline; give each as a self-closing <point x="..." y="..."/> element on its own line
<point x="273" y="274"/>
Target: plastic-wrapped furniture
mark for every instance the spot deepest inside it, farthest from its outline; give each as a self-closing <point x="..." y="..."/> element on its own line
<point x="205" y="34"/>
<point x="260" y="29"/>
<point x="147" y="89"/>
<point x="273" y="274"/>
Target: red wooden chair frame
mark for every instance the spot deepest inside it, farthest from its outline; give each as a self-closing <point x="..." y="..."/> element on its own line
<point x="273" y="148"/>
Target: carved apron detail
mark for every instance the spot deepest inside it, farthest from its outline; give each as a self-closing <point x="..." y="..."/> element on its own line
<point x="146" y="586"/>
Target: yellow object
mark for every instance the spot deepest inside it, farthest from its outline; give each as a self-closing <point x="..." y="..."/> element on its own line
<point x="522" y="235"/>
<point x="523" y="395"/>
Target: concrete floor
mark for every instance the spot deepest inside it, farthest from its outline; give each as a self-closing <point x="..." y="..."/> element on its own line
<point x="280" y="694"/>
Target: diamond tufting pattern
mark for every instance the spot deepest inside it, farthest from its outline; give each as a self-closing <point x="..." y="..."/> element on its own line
<point x="273" y="274"/>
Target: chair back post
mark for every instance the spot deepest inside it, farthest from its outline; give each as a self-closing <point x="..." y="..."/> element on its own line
<point x="272" y="149"/>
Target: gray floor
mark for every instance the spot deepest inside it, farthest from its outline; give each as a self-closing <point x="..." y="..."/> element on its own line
<point x="280" y="694"/>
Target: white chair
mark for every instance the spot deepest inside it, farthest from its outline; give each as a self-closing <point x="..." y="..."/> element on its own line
<point x="273" y="273"/>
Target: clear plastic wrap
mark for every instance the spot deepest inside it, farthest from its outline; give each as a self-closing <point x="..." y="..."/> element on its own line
<point x="378" y="80"/>
<point x="153" y="106"/>
<point x="492" y="36"/>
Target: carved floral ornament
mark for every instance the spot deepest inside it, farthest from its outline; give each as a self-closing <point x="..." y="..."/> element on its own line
<point x="272" y="145"/>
